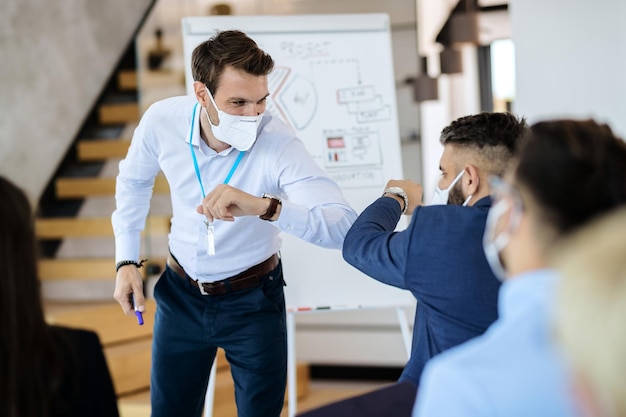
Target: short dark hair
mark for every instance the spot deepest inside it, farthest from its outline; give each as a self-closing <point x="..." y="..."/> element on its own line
<point x="228" y="48"/>
<point x="492" y="137"/>
<point x="573" y="171"/>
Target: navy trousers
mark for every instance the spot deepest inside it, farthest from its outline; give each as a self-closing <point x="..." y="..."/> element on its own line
<point x="189" y="327"/>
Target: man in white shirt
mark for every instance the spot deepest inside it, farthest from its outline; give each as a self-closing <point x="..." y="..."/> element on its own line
<point x="238" y="177"/>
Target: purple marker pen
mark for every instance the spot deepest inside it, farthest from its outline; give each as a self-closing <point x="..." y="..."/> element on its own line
<point x="137" y="312"/>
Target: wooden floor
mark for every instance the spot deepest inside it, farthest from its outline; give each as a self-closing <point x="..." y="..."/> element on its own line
<point x="320" y="393"/>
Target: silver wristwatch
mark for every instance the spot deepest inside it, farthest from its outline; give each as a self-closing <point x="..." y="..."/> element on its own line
<point x="397" y="191"/>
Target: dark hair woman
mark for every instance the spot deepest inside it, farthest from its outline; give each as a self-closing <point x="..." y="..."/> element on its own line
<point x="45" y="371"/>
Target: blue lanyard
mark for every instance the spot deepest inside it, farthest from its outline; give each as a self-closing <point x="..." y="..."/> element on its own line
<point x="195" y="161"/>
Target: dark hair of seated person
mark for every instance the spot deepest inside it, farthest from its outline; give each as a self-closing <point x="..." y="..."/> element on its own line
<point x="574" y="171"/>
<point x="45" y="371"/>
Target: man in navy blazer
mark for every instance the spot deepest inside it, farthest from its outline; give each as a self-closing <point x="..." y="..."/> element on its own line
<point x="439" y="257"/>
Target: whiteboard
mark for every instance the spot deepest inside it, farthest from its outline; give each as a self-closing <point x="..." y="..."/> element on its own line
<point x="333" y="83"/>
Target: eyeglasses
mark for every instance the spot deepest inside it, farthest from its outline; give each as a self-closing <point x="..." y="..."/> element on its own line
<point x="500" y="190"/>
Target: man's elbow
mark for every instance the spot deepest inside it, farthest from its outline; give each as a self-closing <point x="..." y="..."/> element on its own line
<point x="349" y="248"/>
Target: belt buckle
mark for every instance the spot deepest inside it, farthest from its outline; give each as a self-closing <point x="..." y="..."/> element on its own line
<point x="201" y="288"/>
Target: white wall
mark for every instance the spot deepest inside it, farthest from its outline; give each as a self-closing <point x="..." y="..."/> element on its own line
<point x="458" y="93"/>
<point x="56" y="57"/>
<point x="571" y="59"/>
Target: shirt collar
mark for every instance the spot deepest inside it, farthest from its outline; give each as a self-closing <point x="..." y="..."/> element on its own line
<point x="529" y="288"/>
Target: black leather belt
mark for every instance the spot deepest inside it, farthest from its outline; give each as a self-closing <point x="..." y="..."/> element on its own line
<point x="249" y="278"/>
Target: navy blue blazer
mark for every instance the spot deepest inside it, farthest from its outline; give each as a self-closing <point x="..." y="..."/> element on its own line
<point x="440" y="259"/>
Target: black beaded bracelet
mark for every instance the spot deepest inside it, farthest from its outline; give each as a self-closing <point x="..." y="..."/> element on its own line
<point x="124" y="263"/>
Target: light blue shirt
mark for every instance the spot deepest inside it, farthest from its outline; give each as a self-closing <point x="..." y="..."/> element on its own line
<point x="313" y="207"/>
<point x="511" y="370"/>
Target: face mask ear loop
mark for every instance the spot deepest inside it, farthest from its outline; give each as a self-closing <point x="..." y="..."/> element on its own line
<point x="206" y="113"/>
<point x="214" y="105"/>
<point x="458" y="177"/>
<point x="503" y="239"/>
<point x="469" y="197"/>
<point x="494" y="244"/>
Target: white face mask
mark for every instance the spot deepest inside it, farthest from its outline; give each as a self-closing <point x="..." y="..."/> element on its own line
<point x="492" y="244"/>
<point x="240" y="132"/>
<point x="441" y="196"/>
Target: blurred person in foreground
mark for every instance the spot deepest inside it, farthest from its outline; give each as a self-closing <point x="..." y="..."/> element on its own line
<point x="45" y="371"/>
<point x="568" y="173"/>
<point x="591" y="315"/>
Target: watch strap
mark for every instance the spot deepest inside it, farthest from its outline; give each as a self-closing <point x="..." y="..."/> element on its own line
<point x="399" y="192"/>
<point x="271" y="210"/>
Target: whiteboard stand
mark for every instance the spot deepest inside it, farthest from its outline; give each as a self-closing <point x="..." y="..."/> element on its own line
<point x="292" y="400"/>
<point x="210" y="392"/>
<point x="292" y="389"/>
<point x="404" y="328"/>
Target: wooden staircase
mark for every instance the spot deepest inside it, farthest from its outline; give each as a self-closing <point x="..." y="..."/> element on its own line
<point x="127" y="346"/>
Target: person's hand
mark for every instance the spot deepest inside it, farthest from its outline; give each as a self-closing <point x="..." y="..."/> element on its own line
<point x="413" y="190"/>
<point x="129" y="281"/>
<point x="226" y="203"/>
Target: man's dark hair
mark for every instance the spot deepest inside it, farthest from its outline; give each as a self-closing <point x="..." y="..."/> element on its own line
<point x="228" y="48"/>
<point x="573" y="171"/>
<point x="492" y="137"/>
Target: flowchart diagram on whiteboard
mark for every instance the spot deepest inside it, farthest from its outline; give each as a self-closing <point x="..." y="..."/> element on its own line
<point x="333" y="83"/>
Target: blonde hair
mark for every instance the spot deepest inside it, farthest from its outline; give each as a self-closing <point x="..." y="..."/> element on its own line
<point x="591" y="310"/>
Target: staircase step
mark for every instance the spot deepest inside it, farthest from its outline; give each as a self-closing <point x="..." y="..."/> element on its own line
<point x="90" y="187"/>
<point x="127" y="80"/>
<point x="101" y="149"/>
<point x="106" y="319"/>
<point x="118" y="113"/>
<point x="65" y="227"/>
<point x="82" y="269"/>
<point x="129" y="365"/>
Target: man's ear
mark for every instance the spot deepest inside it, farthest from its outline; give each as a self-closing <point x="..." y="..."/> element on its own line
<point x="471" y="180"/>
<point x="199" y="90"/>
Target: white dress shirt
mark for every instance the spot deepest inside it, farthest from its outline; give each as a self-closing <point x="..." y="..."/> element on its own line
<point x="313" y="206"/>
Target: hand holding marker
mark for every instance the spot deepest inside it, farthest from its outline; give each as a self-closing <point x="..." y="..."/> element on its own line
<point x="131" y="298"/>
